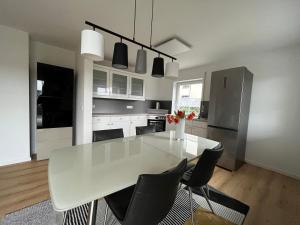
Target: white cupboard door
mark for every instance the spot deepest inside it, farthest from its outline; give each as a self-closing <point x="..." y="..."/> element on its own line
<point x="119" y="84"/>
<point x="125" y="125"/>
<point x="101" y="123"/>
<point x="139" y="121"/>
<point x="102" y="126"/>
<point x="137" y="87"/>
<point x="100" y="82"/>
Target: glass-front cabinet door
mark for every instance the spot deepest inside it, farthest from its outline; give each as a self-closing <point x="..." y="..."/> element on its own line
<point x="100" y="82"/>
<point x="137" y="87"/>
<point x="119" y="84"/>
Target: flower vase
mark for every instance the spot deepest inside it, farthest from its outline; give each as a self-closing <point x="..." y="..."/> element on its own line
<point x="180" y="127"/>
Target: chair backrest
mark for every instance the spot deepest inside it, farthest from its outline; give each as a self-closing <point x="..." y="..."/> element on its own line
<point x="102" y="135"/>
<point x="205" y="166"/>
<point x="154" y="196"/>
<point x="145" y="130"/>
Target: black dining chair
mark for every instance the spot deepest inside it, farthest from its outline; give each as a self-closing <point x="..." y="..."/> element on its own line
<point x="199" y="175"/>
<point x="149" y="201"/>
<point x="103" y="135"/>
<point x="145" y="130"/>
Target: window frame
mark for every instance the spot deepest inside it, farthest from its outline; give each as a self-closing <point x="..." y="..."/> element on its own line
<point x="176" y="86"/>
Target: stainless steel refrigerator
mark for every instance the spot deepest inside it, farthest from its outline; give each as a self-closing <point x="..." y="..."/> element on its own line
<point x="228" y="114"/>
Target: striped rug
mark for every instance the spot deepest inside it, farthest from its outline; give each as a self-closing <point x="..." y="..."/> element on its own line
<point x="177" y="216"/>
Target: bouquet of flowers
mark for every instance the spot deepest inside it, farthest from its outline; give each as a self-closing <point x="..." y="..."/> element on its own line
<point x="179" y="115"/>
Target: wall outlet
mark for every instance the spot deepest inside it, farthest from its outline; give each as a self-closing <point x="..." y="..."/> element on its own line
<point x="129" y="107"/>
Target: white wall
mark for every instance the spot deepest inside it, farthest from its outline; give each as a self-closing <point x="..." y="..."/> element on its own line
<point x="158" y="88"/>
<point x="84" y="100"/>
<point x="196" y="73"/>
<point x="44" y="53"/>
<point x="14" y="96"/>
<point x="274" y="124"/>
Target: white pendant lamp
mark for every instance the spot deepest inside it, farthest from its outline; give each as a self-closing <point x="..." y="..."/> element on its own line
<point x="172" y="70"/>
<point x="92" y="45"/>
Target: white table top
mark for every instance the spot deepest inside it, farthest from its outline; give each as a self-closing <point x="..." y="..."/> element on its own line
<point x="83" y="173"/>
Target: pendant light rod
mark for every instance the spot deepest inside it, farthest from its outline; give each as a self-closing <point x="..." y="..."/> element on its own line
<point x="151" y="24"/>
<point x="134" y="20"/>
<point x="128" y="39"/>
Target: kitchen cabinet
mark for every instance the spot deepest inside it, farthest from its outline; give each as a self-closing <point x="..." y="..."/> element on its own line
<point x="196" y="127"/>
<point x="117" y="84"/>
<point x="100" y="81"/>
<point x="137" y="121"/>
<point x="126" y="122"/>
<point x="137" y="87"/>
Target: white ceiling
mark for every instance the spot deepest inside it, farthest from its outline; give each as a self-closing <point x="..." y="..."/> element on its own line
<point x="213" y="28"/>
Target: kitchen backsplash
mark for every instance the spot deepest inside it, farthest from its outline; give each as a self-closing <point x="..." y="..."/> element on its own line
<point x="116" y="106"/>
<point x="204" y="109"/>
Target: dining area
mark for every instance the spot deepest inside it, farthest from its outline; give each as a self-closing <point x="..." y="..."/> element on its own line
<point x="150" y="178"/>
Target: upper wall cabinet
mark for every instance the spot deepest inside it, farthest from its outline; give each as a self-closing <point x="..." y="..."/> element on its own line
<point x="100" y="81"/>
<point x="117" y="84"/>
<point x="137" y="87"/>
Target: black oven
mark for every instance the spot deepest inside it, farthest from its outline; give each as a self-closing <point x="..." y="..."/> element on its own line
<point x="159" y="122"/>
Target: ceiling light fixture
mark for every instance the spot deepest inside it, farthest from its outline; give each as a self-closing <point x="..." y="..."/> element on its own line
<point x="141" y="61"/>
<point x="120" y="56"/>
<point x="92" y="45"/>
<point x="141" y="55"/>
<point x="158" y="62"/>
<point x="172" y="70"/>
<point x="158" y="67"/>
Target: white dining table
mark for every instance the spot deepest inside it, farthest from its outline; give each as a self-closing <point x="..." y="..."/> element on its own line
<point x="85" y="173"/>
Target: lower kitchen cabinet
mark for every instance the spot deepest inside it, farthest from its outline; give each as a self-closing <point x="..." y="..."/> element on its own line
<point x="197" y="128"/>
<point x="126" y="122"/>
<point x="137" y="121"/>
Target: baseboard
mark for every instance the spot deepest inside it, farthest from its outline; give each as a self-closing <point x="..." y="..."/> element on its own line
<point x="20" y="160"/>
<point x="283" y="172"/>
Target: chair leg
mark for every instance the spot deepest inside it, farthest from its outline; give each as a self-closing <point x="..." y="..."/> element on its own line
<point x="207" y="200"/>
<point x="105" y="216"/>
<point x="179" y="187"/>
<point x="191" y="204"/>
<point x="92" y="213"/>
<point x="207" y="191"/>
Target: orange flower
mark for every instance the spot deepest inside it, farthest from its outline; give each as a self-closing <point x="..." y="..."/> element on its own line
<point x="191" y="116"/>
<point x="176" y="120"/>
<point x="180" y="114"/>
<point x="170" y="118"/>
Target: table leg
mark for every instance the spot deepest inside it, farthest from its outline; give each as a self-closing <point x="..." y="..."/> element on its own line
<point x="92" y="213"/>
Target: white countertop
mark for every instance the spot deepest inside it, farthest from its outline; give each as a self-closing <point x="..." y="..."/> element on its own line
<point x="80" y="174"/>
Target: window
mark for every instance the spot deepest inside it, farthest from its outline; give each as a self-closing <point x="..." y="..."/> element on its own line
<point x="188" y="95"/>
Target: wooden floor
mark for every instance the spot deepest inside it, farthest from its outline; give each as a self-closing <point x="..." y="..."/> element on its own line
<point x="274" y="199"/>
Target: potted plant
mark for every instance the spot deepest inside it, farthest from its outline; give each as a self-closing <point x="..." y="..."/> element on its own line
<point x="179" y="118"/>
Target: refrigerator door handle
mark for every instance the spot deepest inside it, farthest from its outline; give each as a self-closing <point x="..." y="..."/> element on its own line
<point x="225" y="82"/>
<point x="223" y="128"/>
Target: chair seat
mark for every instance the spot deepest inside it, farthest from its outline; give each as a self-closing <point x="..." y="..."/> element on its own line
<point x="118" y="202"/>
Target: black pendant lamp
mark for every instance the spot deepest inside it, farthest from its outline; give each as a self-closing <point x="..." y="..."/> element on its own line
<point x="158" y="67"/>
<point x="120" y="57"/>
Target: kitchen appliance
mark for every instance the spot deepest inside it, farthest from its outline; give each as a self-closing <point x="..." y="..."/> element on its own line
<point x="158" y="121"/>
<point x="157" y="105"/>
<point x="54" y="96"/>
<point x="229" y="106"/>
